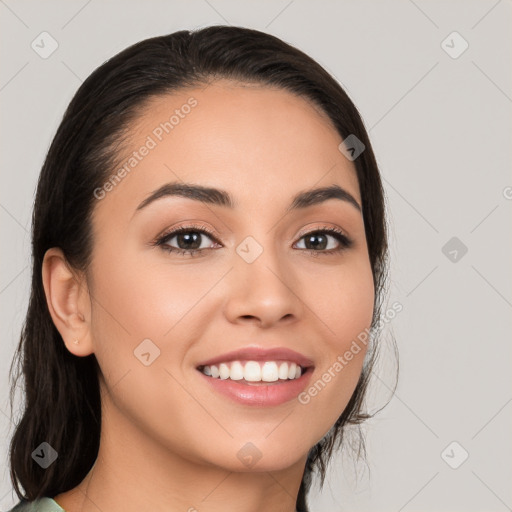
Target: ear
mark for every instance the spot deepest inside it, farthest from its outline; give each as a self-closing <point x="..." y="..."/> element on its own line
<point x="68" y="300"/>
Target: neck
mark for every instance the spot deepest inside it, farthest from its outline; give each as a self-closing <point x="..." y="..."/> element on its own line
<point x="135" y="472"/>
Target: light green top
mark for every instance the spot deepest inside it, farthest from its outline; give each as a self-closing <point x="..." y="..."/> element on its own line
<point x="40" y="505"/>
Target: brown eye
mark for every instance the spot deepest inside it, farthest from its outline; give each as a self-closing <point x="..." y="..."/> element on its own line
<point x="189" y="240"/>
<point x="318" y="241"/>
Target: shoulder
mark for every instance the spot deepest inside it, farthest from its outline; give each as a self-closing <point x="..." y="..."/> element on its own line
<point x="40" y="505"/>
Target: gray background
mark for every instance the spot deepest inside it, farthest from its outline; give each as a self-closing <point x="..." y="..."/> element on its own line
<point x="441" y="129"/>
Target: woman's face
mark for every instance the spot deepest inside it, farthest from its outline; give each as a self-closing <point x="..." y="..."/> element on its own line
<point x="257" y="283"/>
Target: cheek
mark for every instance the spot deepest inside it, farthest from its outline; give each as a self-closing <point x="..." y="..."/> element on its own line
<point x="352" y="319"/>
<point x="343" y="301"/>
<point x="136" y="301"/>
<point x="344" y="307"/>
<point x="139" y="300"/>
<point x="144" y="298"/>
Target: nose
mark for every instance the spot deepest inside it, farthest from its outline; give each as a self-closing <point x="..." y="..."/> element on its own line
<point x="265" y="291"/>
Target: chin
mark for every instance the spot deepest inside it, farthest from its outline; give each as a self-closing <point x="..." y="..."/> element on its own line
<point x="264" y="455"/>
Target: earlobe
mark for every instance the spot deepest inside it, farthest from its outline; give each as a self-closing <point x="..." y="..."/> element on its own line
<point x="67" y="299"/>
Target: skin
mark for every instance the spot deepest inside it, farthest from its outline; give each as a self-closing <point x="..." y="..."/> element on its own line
<point x="168" y="441"/>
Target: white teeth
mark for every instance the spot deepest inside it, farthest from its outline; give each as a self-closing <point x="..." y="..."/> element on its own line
<point x="283" y="371"/>
<point x="269" y="372"/>
<point x="254" y="371"/>
<point x="224" y="371"/>
<point x="236" y="372"/>
<point x="291" y="370"/>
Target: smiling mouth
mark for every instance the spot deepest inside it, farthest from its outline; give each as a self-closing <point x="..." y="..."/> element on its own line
<point x="257" y="383"/>
<point x="255" y="373"/>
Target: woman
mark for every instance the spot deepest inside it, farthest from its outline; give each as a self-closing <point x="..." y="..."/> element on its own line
<point x="209" y="257"/>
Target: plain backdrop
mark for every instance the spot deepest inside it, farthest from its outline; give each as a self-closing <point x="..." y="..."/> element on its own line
<point x="432" y="80"/>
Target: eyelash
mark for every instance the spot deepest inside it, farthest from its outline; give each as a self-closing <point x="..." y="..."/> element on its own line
<point x="344" y="241"/>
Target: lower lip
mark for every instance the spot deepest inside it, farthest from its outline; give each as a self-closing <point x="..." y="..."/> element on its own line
<point x="260" y="394"/>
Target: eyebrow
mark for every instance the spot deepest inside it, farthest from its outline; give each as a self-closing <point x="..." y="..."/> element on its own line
<point x="220" y="197"/>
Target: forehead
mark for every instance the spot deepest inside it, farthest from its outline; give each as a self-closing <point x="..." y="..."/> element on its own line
<point x="262" y="144"/>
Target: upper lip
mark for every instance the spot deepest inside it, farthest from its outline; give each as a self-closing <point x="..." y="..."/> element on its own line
<point x="260" y="354"/>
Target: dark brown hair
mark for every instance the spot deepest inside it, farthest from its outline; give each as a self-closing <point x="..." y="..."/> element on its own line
<point x="62" y="400"/>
